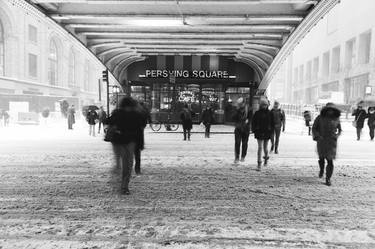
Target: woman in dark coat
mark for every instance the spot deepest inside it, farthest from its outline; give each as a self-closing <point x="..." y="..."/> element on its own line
<point x="129" y="121"/>
<point x="359" y="116"/>
<point x="262" y="126"/>
<point x="187" y="121"/>
<point x="371" y="121"/>
<point x="207" y="120"/>
<point x="326" y="129"/>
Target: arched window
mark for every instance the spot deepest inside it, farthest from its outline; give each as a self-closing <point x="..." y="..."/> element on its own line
<point x="72" y="66"/>
<point x="52" y="63"/>
<point x="2" y="49"/>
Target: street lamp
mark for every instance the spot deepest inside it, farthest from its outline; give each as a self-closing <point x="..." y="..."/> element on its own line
<point x="116" y="90"/>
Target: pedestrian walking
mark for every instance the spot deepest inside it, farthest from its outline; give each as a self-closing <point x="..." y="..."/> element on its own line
<point x="146" y="117"/>
<point x="263" y="126"/>
<point x="326" y="130"/>
<point x="71" y="117"/>
<point x="242" y="119"/>
<point x="125" y="127"/>
<point x="307" y="116"/>
<point x="102" y="116"/>
<point x="92" y="119"/>
<point x="278" y="116"/>
<point x="207" y="120"/>
<point x="371" y="121"/>
<point x="359" y="119"/>
<point x="187" y="121"/>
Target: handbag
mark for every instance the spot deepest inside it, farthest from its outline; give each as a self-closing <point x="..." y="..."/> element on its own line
<point x="113" y="134"/>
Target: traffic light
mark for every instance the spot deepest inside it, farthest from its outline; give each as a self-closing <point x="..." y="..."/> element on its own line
<point x="105" y="75"/>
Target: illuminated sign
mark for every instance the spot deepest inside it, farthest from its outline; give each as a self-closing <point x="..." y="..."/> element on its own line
<point x="198" y="74"/>
<point x="186" y="96"/>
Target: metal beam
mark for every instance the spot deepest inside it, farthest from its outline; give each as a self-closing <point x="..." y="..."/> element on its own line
<point x="118" y="55"/>
<point x="108" y="51"/>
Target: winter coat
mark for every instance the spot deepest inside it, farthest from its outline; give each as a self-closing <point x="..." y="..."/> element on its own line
<point x="242" y="119"/>
<point x="186" y="118"/>
<point x="360" y="116"/>
<point x="325" y="131"/>
<point x="278" y="118"/>
<point x="71" y="118"/>
<point x="130" y="122"/>
<point x="91" y="117"/>
<point x="263" y="124"/>
<point x="207" y="117"/>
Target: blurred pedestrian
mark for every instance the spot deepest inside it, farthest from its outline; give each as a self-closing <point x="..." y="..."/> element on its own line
<point x="359" y="119"/>
<point x="187" y="121"/>
<point x="263" y="126"/>
<point x="242" y="119"/>
<point x="307" y="116"/>
<point x="207" y="119"/>
<point x="146" y="117"/>
<point x="92" y="119"/>
<point x="279" y="124"/>
<point x="371" y="121"/>
<point x="71" y="117"/>
<point x="326" y="129"/>
<point x="127" y="121"/>
<point x="102" y="116"/>
<point x="6" y="117"/>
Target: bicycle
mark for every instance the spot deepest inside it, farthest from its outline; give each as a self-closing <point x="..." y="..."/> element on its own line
<point x="169" y="126"/>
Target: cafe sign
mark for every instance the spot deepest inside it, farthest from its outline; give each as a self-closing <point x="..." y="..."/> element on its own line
<point x="197" y="74"/>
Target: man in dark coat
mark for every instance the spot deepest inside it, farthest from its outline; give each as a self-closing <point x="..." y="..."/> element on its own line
<point x="71" y="117"/>
<point x="326" y="129"/>
<point x="128" y="119"/>
<point x="146" y="117"/>
<point x="242" y="119"/>
<point x="207" y="119"/>
<point x="371" y="121"/>
<point x="307" y="116"/>
<point x="359" y="116"/>
<point x="91" y="119"/>
<point x="279" y="121"/>
<point x="263" y="126"/>
<point x="102" y="115"/>
<point x="187" y="121"/>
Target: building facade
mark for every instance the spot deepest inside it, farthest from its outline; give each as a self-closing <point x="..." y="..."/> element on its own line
<point x="41" y="64"/>
<point x="335" y="61"/>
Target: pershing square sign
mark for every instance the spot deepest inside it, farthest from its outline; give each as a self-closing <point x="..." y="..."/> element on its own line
<point x="201" y="74"/>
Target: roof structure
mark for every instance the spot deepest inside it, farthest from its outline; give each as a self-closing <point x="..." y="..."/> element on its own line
<point x="260" y="33"/>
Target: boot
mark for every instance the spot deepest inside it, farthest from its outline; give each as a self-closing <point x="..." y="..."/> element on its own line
<point x="321" y="166"/>
<point x="266" y="160"/>
<point x="328" y="182"/>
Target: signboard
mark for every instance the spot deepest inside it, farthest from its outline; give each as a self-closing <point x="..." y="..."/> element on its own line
<point x="198" y="74"/>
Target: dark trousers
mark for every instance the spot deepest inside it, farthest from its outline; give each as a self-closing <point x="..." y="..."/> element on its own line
<point x="359" y="130"/>
<point x="275" y="137"/>
<point x="372" y="129"/>
<point x="207" y="131"/>
<point x="186" y="131"/>
<point x="137" y="155"/>
<point x="329" y="171"/>
<point x="240" y="136"/>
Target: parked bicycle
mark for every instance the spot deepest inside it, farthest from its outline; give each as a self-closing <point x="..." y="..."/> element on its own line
<point x="168" y="124"/>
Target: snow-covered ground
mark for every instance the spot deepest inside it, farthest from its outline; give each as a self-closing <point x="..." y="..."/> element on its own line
<point x="57" y="191"/>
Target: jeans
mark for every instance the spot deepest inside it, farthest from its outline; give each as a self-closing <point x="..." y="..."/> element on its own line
<point x="262" y="144"/>
<point x="275" y="137"/>
<point x="240" y="136"/>
<point x="124" y="156"/>
<point x="329" y="167"/>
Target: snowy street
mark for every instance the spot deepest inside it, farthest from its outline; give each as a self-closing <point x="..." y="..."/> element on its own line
<point x="56" y="191"/>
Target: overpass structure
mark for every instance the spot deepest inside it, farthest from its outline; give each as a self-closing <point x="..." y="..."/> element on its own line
<point x="259" y="33"/>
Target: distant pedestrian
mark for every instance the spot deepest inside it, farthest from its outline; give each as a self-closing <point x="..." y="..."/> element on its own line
<point x="187" y="121"/>
<point x="142" y="108"/>
<point x="102" y="116"/>
<point x="279" y="124"/>
<point x="207" y="119"/>
<point x="307" y="117"/>
<point x="242" y="119"/>
<point x="263" y="126"/>
<point x="127" y="121"/>
<point x="371" y="121"/>
<point x="326" y="129"/>
<point x="71" y="117"/>
<point x="359" y="119"/>
<point x="92" y="119"/>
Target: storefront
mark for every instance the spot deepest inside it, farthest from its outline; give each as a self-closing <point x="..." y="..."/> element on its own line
<point x="165" y="89"/>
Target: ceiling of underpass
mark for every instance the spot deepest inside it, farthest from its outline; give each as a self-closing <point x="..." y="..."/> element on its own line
<point x="121" y="32"/>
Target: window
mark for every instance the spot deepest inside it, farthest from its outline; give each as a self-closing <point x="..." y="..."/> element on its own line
<point x="308" y="70"/>
<point x="52" y="64"/>
<point x="295" y="76"/>
<point x="71" y="73"/>
<point x="326" y="64"/>
<point x="349" y="53"/>
<point x="33" y="34"/>
<point x="86" y="76"/>
<point x="301" y="68"/>
<point x="33" y="65"/>
<point x="2" y="49"/>
<point x="315" y="68"/>
<point x="364" y="48"/>
<point x="335" y="67"/>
